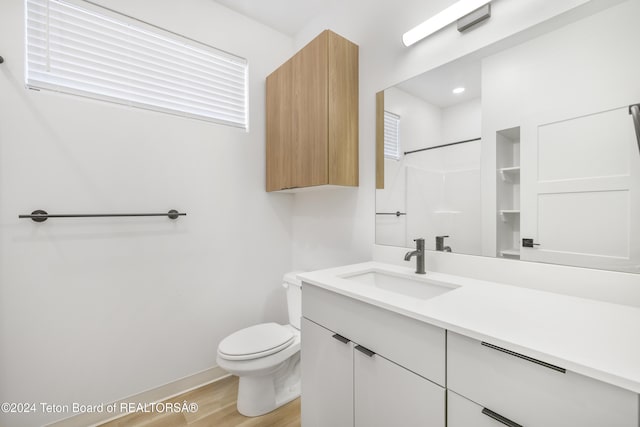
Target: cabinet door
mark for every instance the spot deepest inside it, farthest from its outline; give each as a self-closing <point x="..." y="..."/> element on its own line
<point x="327" y="378"/>
<point x="342" y="110"/>
<point x="310" y="114"/>
<point x="279" y="130"/>
<point x="386" y="394"/>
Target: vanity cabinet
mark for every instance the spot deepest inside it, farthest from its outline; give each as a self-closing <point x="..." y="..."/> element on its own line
<point x="525" y="391"/>
<point x="312" y="116"/>
<point x="357" y="357"/>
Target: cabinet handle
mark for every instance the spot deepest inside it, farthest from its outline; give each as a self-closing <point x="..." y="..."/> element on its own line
<point x="342" y="339"/>
<point x="499" y="418"/>
<point x="527" y="358"/>
<point x="365" y="350"/>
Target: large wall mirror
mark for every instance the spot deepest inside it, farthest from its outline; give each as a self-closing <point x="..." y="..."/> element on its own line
<point x="537" y="159"/>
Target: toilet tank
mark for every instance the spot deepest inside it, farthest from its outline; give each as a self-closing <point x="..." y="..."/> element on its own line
<point x="294" y="298"/>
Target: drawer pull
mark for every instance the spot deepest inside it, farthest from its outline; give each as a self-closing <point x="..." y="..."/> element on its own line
<point x="499" y="418"/>
<point x="527" y="358"/>
<point x="342" y="339"/>
<point x="365" y="351"/>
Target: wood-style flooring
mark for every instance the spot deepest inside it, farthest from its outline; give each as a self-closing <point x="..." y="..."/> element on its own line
<point x="216" y="408"/>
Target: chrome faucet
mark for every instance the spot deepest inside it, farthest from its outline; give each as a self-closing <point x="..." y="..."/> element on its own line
<point x="419" y="253"/>
<point x="440" y="244"/>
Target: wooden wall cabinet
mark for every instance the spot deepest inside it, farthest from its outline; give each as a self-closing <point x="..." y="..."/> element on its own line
<point x="312" y="116"/>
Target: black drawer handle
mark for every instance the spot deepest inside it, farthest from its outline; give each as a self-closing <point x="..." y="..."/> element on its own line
<point x="499" y="418"/>
<point x="527" y="358"/>
<point x="342" y="339"/>
<point x="365" y="351"/>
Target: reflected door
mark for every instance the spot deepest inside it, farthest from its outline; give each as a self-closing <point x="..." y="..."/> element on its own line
<point x="580" y="198"/>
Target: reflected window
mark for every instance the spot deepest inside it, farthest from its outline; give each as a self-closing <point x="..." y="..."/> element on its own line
<point x="391" y="136"/>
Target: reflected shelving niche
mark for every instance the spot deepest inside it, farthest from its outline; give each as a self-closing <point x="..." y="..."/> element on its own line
<point x="508" y="192"/>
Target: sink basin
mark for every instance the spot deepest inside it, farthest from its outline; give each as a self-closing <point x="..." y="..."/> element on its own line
<point x="421" y="288"/>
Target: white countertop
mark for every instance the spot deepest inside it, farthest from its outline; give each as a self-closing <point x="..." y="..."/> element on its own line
<point x="597" y="339"/>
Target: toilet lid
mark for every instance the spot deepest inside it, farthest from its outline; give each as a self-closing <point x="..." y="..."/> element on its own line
<point x="255" y="341"/>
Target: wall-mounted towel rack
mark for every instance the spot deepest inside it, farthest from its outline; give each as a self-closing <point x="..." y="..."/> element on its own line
<point x="397" y="213"/>
<point x="41" y="216"/>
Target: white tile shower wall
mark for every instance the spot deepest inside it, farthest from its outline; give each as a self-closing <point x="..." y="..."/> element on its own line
<point x="420" y="126"/>
<point x="93" y="310"/>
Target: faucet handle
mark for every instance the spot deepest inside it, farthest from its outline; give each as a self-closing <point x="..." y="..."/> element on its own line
<point x="440" y="244"/>
<point x="419" y="243"/>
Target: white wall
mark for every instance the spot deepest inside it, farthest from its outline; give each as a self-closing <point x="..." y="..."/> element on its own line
<point x="584" y="65"/>
<point x="462" y="121"/>
<point x="420" y="121"/>
<point x="93" y="310"/>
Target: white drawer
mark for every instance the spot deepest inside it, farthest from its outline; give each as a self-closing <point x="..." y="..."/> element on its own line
<point x="416" y="345"/>
<point x="462" y="412"/>
<point x="531" y="393"/>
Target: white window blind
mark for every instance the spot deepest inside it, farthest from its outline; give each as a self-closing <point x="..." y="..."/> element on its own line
<point x="82" y="49"/>
<point x="391" y="136"/>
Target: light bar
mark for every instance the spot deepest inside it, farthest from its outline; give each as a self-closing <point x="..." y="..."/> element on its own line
<point x="441" y="20"/>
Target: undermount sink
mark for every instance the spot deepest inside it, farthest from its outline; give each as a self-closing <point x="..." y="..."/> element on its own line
<point x="421" y="288"/>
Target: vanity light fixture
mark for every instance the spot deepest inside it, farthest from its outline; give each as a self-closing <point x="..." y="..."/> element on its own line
<point x="458" y="90"/>
<point x="437" y="22"/>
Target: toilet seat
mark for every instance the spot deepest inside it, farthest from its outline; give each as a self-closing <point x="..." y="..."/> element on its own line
<point x="255" y="341"/>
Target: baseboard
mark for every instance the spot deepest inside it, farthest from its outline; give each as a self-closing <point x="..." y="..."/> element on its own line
<point x="158" y="394"/>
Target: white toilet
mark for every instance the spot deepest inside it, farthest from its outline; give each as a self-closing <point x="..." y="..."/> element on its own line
<point x="266" y="357"/>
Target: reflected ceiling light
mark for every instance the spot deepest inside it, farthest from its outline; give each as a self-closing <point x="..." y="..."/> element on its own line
<point x="458" y="90"/>
<point x="441" y="20"/>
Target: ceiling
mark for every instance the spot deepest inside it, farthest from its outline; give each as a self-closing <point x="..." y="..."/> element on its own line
<point x="286" y="16"/>
<point x="435" y="86"/>
<point x="291" y="16"/>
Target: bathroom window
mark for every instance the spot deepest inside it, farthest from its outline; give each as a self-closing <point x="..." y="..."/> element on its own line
<point x="78" y="48"/>
<point x="391" y="136"/>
